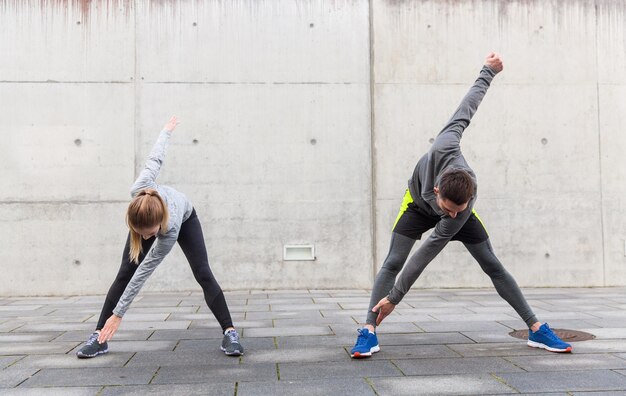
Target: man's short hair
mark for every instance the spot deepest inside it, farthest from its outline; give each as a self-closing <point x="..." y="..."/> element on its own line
<point x="457" y="186"/>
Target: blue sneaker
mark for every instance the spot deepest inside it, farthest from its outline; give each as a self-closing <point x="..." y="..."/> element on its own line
<point x="366" y="344"/>
<point x="546" y="339"/>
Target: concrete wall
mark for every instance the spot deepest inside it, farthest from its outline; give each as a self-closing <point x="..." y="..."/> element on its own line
<point x="300" y="123"/>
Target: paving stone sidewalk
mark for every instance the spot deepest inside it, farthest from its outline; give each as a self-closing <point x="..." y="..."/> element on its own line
<point x="437" y="342"/>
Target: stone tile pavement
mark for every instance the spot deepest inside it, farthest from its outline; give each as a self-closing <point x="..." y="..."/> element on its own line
<point x="437" y="342"/>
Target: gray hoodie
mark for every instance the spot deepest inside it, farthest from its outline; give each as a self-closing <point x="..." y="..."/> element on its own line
<point x="444" y="154"/>
<point x="180" y="209"/>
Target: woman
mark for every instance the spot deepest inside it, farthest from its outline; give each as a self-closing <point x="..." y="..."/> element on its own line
<point x="160" y="216"/>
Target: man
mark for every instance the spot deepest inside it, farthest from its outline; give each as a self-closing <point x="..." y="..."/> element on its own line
<point x="441" y="194"/>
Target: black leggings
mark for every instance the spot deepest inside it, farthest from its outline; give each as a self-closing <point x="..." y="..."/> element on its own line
<point x="191" y="242"/>
<point x="399" y="250"/>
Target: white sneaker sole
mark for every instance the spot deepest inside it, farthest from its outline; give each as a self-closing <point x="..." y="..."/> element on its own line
<point x="234" y="353"/>
<point x="358" y="355"/>
<point x="83" y="356"/>
<point x="535" y="344"/>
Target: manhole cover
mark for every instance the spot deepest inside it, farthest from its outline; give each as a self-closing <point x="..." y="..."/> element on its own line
<point x="564" y="334"/>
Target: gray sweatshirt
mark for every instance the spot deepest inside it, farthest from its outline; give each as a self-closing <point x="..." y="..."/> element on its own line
<point x="444" y="154"/>
<point x="180" y="209"/>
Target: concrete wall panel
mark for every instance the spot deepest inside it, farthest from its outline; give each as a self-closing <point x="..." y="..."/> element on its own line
<point x="544" y="244"/>
<point x="613" y="146"/>
<point x="67" y="40"/>
<point x="611" y="41"/>
<point x="250" y="41"/>
<point x="426" y="41"/>
<point x="66" y="141"/>
<point x="60" y="248"/>
<point x="263" y="177"/>
<point x="521" y="141"/>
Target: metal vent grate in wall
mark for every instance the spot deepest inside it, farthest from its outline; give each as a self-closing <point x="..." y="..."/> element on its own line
<point x="298" y="252"/>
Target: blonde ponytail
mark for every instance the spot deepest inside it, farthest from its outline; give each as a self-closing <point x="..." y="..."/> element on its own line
<point x="146" y="210"/>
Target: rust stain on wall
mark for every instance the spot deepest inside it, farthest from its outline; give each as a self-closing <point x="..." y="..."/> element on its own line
<point x="80" y="10"/>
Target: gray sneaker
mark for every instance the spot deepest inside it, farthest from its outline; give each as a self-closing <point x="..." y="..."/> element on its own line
<point x="92" y="347"/>
<point x="231" y="345"/>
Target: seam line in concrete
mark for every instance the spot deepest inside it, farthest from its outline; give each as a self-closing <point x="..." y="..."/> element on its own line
<point x="72" y="348"/>
<point x="512" y="328"/>
<point x="27" y="378"/>
<point x="508" y="359"/>
<point x="236" y="82"/>
<point x="192" y="82"/>
<point x="602" y="236"/>
<point x="371" y="384"/>
<point x="372" y="139"/>
<point x="64" y="202"/>
<point x="615" y="354"/>
<point x="503" y="382"/>
<point x="15" y="362"/>
<point x="129" y="359"/>
<point x="57" y="336"/>
<point x="398" y="368"/>
<point x="63" y="82"/>
<point x="472" y="341"/>
<point x="178" y="342"/>
<point x="87" y="319"/>
<point x="154" y="375"/>
<point x="458" y="353"/>
<point x="506" y="84"/>
<point x="135" y="96"/>
<point x="256" y="82"/>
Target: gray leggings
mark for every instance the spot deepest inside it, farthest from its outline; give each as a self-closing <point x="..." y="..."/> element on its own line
<point x="399" y="250"/>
